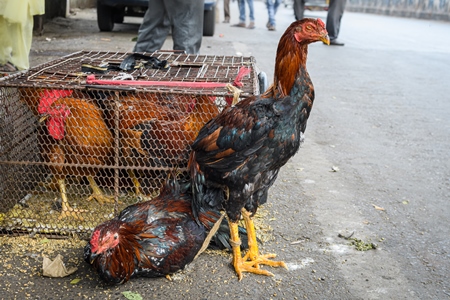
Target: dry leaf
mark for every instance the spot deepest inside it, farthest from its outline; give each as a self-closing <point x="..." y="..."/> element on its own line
<point x="132" y="296"/>
<point x="75" y="281"/>
<point x="56" y="268"/>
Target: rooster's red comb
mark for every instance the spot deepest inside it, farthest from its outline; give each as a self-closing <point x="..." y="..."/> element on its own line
<point x="94" y="240"/>
<point x="320" y="22"/>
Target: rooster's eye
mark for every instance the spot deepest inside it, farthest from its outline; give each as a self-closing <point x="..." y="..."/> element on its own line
<point x="308" y="27"/>
<point x="116" y="236"/>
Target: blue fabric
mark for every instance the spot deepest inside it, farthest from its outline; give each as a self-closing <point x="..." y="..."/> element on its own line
<point x="241" y="4"/>
<point x="272" y="6"/>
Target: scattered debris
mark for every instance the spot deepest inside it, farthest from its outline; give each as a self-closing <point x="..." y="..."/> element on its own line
<point x="75" y="281"/>
<point x="346" y="237"/>
<point x="334" y="169"/>
<point x="359" y="244"/>
<point x="132" y="296"/>
<point x="378" y="207"/>
<point x="297" y="242"/>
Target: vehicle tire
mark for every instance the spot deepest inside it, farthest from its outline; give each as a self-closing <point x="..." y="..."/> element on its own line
<point x="119" y="15"/>
<point x="105" y="17"/>
<point x="209" y="22"/>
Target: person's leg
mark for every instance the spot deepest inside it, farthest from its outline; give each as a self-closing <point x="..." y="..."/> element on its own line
<point x="154" y="28"/>
<point x="241" y="5"/>
<point x="226" y="11"/>
<point x="251" y="11"/>
<point x="276" y="3"/>
<point x="187" y="24"/>
<point x="242" y="16"/>
<point x="271" y="11"/>
<point x="299" y="9"/>
<point x="334" y="16"/>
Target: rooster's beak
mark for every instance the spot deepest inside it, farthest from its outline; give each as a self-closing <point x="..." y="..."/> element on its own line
<point x="93" y="258"/>
<point x="43" y="118"/>
<point x="325" y="39"/>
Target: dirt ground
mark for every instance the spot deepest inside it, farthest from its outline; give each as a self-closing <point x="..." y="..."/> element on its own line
<point x="375" y="163"/>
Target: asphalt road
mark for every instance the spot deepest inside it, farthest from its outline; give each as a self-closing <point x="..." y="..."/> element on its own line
<point x="375" y="163"/>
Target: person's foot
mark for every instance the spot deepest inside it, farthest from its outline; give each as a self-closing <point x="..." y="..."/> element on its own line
<point x="271" y="27"/>
<point x="336" y="42"/>
<point x="240" y="24"/>
<point x="251" y="25"/>
<point x="227" y="20"/>
<point x="8" y="68"/>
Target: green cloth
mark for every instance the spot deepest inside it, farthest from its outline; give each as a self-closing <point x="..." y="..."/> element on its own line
<point x="16" y="30"/>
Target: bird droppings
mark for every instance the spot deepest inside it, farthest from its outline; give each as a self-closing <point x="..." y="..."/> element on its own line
<point x="359" y="244"/>
<point x="334" y="169"/>
<point x="302" y="264"/>
<point x="363" y="246"/>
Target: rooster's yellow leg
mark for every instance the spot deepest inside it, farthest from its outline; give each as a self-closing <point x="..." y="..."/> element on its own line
<point x="137" y="184"/>
<point x="66" y="210"/>
<point x="97" y="193"/>
<point x="240" y="265"/>
<point x="253" y="252"/>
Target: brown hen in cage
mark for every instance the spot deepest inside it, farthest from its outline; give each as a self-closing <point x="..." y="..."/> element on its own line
<point x="156" y="131"/>
<point x="74" y="140"/>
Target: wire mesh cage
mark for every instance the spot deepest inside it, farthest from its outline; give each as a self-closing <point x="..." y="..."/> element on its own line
<point x="84" y="136"/>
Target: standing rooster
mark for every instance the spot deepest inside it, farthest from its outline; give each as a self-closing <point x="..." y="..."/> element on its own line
<point x="154" y="134"/>
<point x="75" y="134"/>
<point x="243" y="148"/>
<point x="153" y="238"/>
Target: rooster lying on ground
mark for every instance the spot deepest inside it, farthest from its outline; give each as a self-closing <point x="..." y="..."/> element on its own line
<point x="242" y="149"/>
<point x="153" y="238"/>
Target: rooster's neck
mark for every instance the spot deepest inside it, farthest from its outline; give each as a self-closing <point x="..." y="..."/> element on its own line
<point x="289" y="63"/>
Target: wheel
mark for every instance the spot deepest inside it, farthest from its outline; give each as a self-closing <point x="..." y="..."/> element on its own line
<point x="119" y="14"/>
<point x="209" y="22"/>
<point x="105" y="17"/>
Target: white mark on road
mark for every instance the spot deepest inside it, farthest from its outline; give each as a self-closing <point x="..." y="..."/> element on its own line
<point x="301" y="265"/>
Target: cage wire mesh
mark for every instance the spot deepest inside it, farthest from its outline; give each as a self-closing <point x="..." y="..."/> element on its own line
<point x="75" y="147"/>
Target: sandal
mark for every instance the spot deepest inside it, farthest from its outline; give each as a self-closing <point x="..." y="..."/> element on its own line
<point x="8" y="68"/>
<point x="240" y="24"/>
